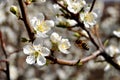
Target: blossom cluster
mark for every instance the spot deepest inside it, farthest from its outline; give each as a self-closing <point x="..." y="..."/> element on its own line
<point x="36" y="50"/>
<point x="41" y="26"/>
<point x="87" y="17"/>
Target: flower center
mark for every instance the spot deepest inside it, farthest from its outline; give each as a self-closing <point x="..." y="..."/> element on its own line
<point x="75" y="6"/>
<point x="36" y="53"/>
<point x="118" y="62"/>
<point x="89" y="17"/>
<point x="64" y="46"/>
<point x="41" y="27"/>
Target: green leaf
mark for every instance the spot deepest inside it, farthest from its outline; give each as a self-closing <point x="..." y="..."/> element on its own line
<point x="79" y="63"/>
<point x="106" y="42"/>
<point x="24" y="39"/>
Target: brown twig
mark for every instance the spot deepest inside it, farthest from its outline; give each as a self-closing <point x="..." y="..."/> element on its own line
<point x="26" y="20"/>
<point x="14" y="52"/>
<point x="1" y="69"/>
<point x="7" y="71"/>
<point x="96" y="29"/>
<point x="73" y="62"/>
<point x="93" y="3"/>
<point x="65" y="62"/>
<point x="103" y="53"/>
<point x="5" y="60"/>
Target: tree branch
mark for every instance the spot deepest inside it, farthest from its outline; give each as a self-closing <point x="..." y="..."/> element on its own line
<point x="103" y="53"/>
<point x="26" y="20"/>
<point x="93" y="3"/>
<point x="73" y="62"/>
<point x="75" y="17"/>
<point x="7" y="71"/>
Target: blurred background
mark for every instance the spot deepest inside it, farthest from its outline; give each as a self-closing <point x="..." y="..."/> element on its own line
<point x="13" y="30"/>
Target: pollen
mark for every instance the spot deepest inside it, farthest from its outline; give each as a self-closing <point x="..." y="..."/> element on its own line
<point x="64" y="46"/>
<point x="89" y="17"/>
<point x="36" y="54"/>
<point x="41" y="27"/>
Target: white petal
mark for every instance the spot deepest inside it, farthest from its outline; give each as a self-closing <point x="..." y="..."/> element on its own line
<point x="39" y="34"/>
<point x="45" y="51"/>
<point x="37" y="47"/>
<point x="83" y="2"/>
<point x="30" y="59"/>
<point x="64" y="45"/>
<point x="28" y="49"/>
<point x="38" y="40"/>
<point x="71" y="22"/>
<point x="42" y="1"/>
<point x="86" y="9"/>
<point x="95" y="15"/>
<point x="92" y="23"/>
<point x="55" y="37"/>
<point x="117" y="33"/>
<point x="86" y="25"/>
<point x="107" y="67"/>
<point x="41" y="17"/>
<point x="33" y="21"/>
<point x="69" y="2"/>
<point x="56" y="6"/>
<point x="82" y="15"/>
<point x="71" y="10"/>
<point x="49" y="23"/>
<point x="63" y="50"/>
<point x="41" y="60"/>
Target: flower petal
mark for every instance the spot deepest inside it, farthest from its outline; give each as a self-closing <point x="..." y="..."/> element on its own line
<point x="55" y="37"/>
<point x="95" y="15"/>
<point x="117" y="33"/>
<point x="86" y="25"/>
<point x="82" y="15"/>
<point x="38" y="41"/>
<point x="28" y="49"/>
<point x="40" y="34"/>
<point x="49" y="23"/>
<point x="30" y="59"/>
<point x="41" y="17"/>
<point x="33" y="21"/>
<point x="41" y="60"/>
<point x="64" y="45"/>
<point x="64" y="50"/>
<point x="45" y="51"/>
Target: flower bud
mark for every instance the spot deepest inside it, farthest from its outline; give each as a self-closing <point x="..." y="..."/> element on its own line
<point x="76" y="34"/>
<point x="28" y="2"/>
<point x="14" y="10"/>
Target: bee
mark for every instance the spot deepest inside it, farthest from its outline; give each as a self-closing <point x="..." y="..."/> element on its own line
<point x="82" y="44"/>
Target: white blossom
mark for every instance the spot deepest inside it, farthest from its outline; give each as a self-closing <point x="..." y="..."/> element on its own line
<point x="117" y="33"/>
<point x="107" y="67"/>
<point x="36" y="53"/>
<point x="41" y="26"/>
<point x="42" y="1"/>
<point x="63" y="44"/>
<point x="75" y="6"/>
<point x="88" y="18"/>
<point x="118" y="60"/>
<point x="112" y="50"/>
<point x="55" y="38"/>
<point x="84" y="33"/>
<point x="13" y="72"/>
<point x="60" y="20"/>
<point x="2" y="16"/>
